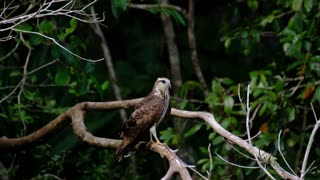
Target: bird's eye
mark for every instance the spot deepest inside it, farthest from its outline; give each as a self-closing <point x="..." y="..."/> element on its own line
<point x="163" y="81"/>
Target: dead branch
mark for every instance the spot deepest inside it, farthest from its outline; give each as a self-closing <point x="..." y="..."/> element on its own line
<point x="175" y="165"/>
<point x="77" y="113"/>
<point x="43" y="9"/>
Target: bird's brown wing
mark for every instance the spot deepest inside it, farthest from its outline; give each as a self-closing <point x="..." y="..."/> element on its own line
<point x="145" y="100"/>
<point x="137" y="126"/>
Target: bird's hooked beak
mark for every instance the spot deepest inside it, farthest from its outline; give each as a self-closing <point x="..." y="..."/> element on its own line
<point x="169" y="86"/>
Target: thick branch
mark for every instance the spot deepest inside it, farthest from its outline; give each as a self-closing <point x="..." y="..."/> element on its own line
<point x="264" y="156"/>
<point x="77" y="113"/>
<point x="176" y="165"/>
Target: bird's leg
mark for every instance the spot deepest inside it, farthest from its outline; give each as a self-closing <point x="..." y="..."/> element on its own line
<point x="153" y="133"/>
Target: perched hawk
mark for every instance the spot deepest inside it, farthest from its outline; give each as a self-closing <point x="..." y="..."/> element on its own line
<point x="146" y="117"/>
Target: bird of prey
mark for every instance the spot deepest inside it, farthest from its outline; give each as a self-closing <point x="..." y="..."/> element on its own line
<point x="146" y="117"/>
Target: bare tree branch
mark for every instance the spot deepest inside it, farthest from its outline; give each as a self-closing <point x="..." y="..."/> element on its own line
<point x="176" y="165"/>
<point x="58" y="44"/>
<point x="249" y="136"/>
<point x="45" y="9"/>
<point x="77" y="113"/>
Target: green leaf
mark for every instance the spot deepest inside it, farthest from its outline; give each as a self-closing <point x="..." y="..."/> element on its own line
<point x="253" y="4"/>
<point x="227" y="43"/>
<point x="178" y="17"/>
<point x="291" y="114"/>
<point x="228" y="103"/>
<point x="217" y="140"/>
<point x="89" y="68"/>
<point x="227" y="81"/>
<point x="97" y="85"/>
<point x="212" y="135"/>
<point x="308" y="5"/>
<point x="263" y="109"/>
<point x="255" y="35"/>
<point x="105" y="85"/>
<point x="317" y="93"/>
<point x="267" y="20"/>
<point x="73" y="25"/>
<point x="244" y="34"/>
<point x="35" y="39"/>
<point x="293" y="49"/>
<point x="315" y="58"/>
<point x="55" y="51"/>
<point x="118" y="6"/>
<point x="154" y="10"/>
<point x="62" y="77"/>
<point x="193" y="130"/>
<point x="33" y="78"/>
<point x="83" y="87"/>
<point x="296" y="23"/>
<point x="296" y="5"/>
<point x="216" y="86"/>
<point x="15" y="73"/>
<point x="46" y="26"/>
<point x="24" y="26"/>
<point x="122" y="4"/>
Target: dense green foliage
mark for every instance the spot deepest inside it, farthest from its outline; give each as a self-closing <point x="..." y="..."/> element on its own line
<point x="271" y="45"/>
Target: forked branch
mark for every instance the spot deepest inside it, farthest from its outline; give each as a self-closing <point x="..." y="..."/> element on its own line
<point x="77" y="115"/>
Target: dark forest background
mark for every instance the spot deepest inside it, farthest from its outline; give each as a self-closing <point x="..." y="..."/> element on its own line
<point x="271" y="45"/>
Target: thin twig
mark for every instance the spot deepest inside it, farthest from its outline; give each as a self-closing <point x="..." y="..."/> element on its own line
<point x="284" y="159"/>
<point x="211" y="162"/>
<point x="43" y="66"/>
<point x="231" y="145"/>
<point x="249" y="136"/>
<point x="237" y="165"/>
<point x="9" y="53"/>
<point x="311" y="139"/>
<point x="58" y="44"/>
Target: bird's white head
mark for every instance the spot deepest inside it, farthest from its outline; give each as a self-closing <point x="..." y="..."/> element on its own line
<point x="162" y="84"/>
